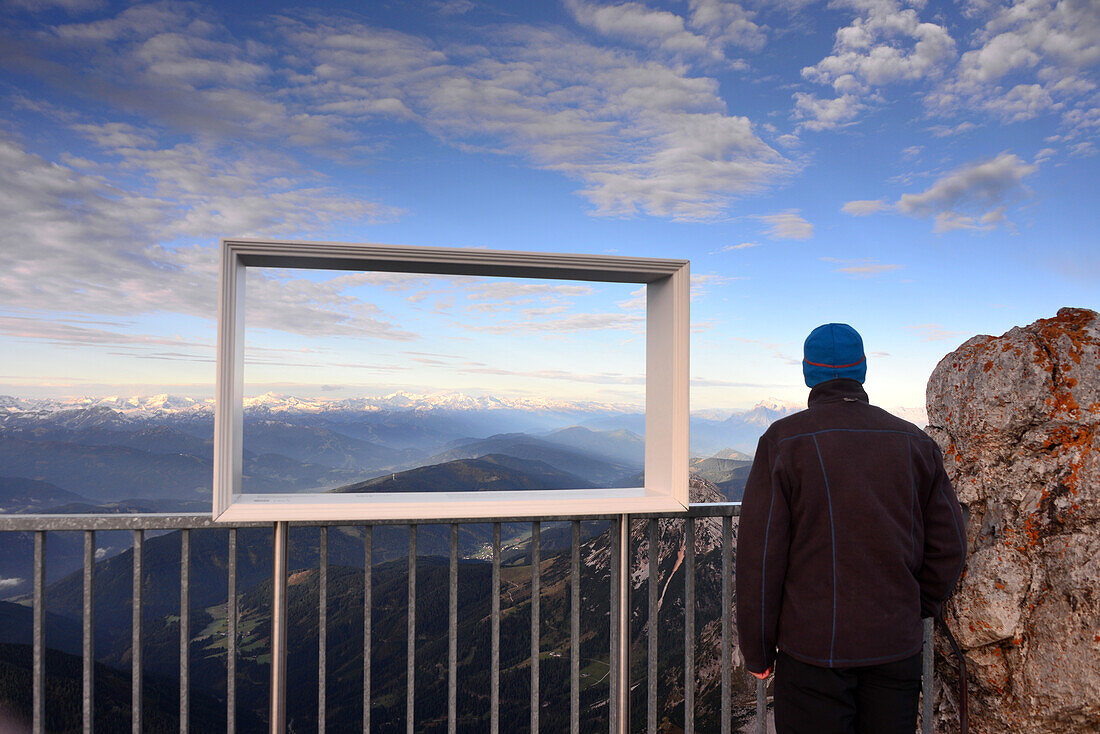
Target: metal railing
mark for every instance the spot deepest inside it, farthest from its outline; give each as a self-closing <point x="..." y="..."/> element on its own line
<point x="620" y="606"/>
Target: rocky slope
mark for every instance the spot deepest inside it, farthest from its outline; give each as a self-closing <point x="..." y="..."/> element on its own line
<point x="1018" y="419"/>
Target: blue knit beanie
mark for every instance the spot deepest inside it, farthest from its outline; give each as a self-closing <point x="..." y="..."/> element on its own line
<point x="832" y="351"/>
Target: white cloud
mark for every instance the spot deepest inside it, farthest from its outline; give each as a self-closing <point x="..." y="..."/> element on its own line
<point x="788" y="225"/>
<point x="76" y="332"/>
<point x="1022" y="102"/>
<point x="974" y="196"/>
<point x="116" y="135"/>
<point x="826" y="114"/>
<point x="944" y="131"/>
<point x="741" y="246"/>
<point x="70" y="6"/>
<point x="454" y="7"/>
<point x="865" y="268"/>
<point x="700" y="282"/>
<point x="565" y="323"/>
<point x="1086" y="149"/>
<point x="883" y="45"/>
<point x="1027" y="60"/>
<point x="1045" y="155"/>
<point x="309" y="307"/>
<point x="640" y="135"/>
<point x="864" y="208"/>
<point x="714" y="25"/>
<point x="727" y="23"/>
<point x="81" y="243"/>
<point x="636" y="22"/>
<point x="636" y="302"/>
<point x="522" y="292"/>
<point x="11" y="583"/>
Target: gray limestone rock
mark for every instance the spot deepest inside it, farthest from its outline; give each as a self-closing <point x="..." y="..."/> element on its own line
<point x="1018" y="420"/>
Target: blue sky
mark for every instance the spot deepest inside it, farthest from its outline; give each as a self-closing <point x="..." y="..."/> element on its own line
<point x="923" y="171"/>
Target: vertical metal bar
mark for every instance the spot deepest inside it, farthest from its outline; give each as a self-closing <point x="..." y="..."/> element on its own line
<point x="278" y="628"/>
<point x="622" y="682"/>
<point x="231" y="638"/>
<point x="368" y="567"/>
<point x="536" y="614"/>
<point x="410" y="647"/>
<point x="136" y="672"/>
<point x="727" y="622"/>
<point x="185" y="628"/>
<point x="689" y="626"/>
<point x="613" y="630"/>
<point x="575" y="632"/>
<point x="88" y="683"/>
<point x="928" y="690"/>
<point x="761" y="707"/>
<point x="38" y="664"/>
<point x="452" y="636"/>
<point x="322" y="629"/>
<point x="494" y="665"/>
<point x="651" y="654"/>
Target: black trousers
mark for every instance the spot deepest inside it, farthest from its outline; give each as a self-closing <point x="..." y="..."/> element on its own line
<point x="873" y="699"/>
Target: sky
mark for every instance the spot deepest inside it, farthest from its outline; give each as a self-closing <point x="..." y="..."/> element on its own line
<point x="924" y="171"/>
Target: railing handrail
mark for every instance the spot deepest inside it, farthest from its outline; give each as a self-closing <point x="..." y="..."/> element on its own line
<point x="197" y="521"/>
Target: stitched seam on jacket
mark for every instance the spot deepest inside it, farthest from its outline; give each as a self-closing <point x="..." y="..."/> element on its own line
<point x="912" y="504"/>
<point x="764" y="580"/>
<point x="832" y="533"/>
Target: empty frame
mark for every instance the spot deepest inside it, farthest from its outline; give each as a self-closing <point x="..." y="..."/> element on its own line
<point x="666" y="385"/>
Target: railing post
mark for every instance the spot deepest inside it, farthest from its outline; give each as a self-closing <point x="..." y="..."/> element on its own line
<point x="322" y="631"/>
<point x="928" y="690"/>
<point x="654" y="561"/>
<point x="727" y="620"/>
<point x="88" y="682"/>
<point x="185" y="630"/>
<point x="575" y="631"/>
<point x="38" y="664"/>
<point x="136" y="671"/>
<point x="761" y="707"/>
<point x="231" y="638"/>
<point x="622" y="627"/>
<point x="278" y="628"/>
<point x="494" y="644"/>
<point x="410" y="640"/>
<point x="536" y="596"/>
<point x="368" y="606"/>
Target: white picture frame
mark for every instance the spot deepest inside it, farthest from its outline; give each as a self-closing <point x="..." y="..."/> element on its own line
<point x="667" y="344"/>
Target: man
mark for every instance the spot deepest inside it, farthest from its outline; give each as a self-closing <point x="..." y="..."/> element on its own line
<point x="850" y="532"/>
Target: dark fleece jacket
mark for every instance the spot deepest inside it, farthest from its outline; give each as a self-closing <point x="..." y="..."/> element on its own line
<point x="850" y="532"/>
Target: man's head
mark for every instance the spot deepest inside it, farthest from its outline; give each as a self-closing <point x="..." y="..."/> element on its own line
<point x="832" y="351"/>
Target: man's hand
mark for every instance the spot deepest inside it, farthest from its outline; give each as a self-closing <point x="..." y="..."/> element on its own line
<point x="764" y="675"/>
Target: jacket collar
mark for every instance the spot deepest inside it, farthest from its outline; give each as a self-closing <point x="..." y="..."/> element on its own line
<point x="832" y="391"/>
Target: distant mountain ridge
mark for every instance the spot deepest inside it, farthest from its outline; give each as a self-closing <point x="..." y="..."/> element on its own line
<point x="270" y="402"/>
<point x="484" y="473"/>
<point x="593" y="466"/>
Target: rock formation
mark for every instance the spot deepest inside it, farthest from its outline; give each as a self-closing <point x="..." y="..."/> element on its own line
<point x="1018" y="420"/>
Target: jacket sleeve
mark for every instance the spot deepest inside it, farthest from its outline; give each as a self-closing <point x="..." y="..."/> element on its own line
<point x="763" y="538"/>
<point x="944" y="541"/>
